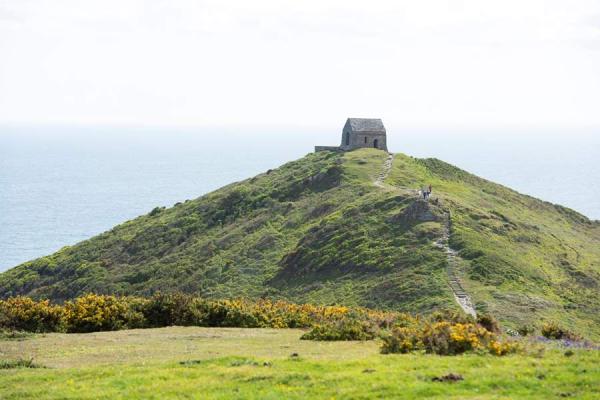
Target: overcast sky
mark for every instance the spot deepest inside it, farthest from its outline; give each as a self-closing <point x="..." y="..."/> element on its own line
<point x="241" y="63"/>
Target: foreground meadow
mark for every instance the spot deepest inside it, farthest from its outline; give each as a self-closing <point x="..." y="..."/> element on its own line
<point x="220" y="363"/>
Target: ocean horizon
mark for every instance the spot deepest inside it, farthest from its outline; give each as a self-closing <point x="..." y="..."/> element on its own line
<point x="62" y="185"/>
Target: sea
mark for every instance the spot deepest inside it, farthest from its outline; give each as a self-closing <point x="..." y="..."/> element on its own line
<point x="61" y="185"/>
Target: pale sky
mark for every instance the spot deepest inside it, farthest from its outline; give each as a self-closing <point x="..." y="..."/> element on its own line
<point x="421" y="63"/>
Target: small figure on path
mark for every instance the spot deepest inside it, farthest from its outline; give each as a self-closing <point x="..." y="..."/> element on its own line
<point x="426" y="191"/>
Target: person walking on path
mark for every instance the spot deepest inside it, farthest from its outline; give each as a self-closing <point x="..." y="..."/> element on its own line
<point x="426" y="192"/>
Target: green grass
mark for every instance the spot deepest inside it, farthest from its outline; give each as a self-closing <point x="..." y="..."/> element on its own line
<point x="525" y="260"/>
<point x="219" y="363"/>
<point x="317" y="230"/>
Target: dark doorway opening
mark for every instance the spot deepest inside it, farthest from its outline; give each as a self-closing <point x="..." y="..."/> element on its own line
<point x="375" y="143"/>
<point x="347" y="138"/>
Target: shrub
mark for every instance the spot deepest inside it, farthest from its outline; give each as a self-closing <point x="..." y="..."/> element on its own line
<point x="498" y="348"/>
<point x="232" y="313"/>
<point x="19" y="363"/>
<point x="401" y="340"/>
<point x="344" y="329"/>
<point x="447" y="339"/>
<point x="23" y="313"/>
<point x="91" y="313"/>
<point x="552" y="330"/>
<point x="441" y="333"/>
<point x="451" y="316"/>
<point x="97" y="312"/>
<point x="166" y="309"/>
<point x="488" y="322"/>
<point x="526" y="330"/>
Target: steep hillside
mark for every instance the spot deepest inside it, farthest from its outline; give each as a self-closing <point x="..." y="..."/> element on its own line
<point x="347" y="228"/>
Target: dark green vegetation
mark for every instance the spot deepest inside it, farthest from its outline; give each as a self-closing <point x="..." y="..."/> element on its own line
<point x="318" y="230"/>
<point x="18" y="363"/>
<point x="231" y="363"/>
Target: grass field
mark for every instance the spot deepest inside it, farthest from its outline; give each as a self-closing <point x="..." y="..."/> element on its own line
<point x="207" y="363"/>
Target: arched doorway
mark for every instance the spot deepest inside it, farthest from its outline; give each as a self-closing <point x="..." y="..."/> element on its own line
<point x="375" y="143"/>
<point x="347" y="138"/>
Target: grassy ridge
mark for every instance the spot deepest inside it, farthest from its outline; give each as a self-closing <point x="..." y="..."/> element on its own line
<point x="317" y="230"/>
<point x="219" y="363"/>
<point x="523" y="257"/>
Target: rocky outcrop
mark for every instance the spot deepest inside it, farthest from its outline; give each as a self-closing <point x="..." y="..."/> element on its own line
<point x="420" y="211"/>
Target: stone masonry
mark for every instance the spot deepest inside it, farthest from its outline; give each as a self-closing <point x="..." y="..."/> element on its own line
<point x="359" y="133"/>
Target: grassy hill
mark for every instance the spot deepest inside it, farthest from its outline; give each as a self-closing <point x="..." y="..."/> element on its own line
<point x="329" y="229"/>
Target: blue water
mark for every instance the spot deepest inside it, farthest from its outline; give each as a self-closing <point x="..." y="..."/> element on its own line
<point x="59" y="186"/>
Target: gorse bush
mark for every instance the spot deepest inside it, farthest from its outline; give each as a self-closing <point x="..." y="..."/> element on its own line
<point x="488" y="322"/>
<point x="23" y="313"/>
<point x="445" y="333"/>
<point x="168" y="309"/>
<point x="180" y="309"/>
<point x="525" y="330"/>
<point x="445" y="338"/>
<point x="344" y="329"/>
<point x="91" y="312"/>
<point x="552" y="330"/>
<point x="401" y="340"/>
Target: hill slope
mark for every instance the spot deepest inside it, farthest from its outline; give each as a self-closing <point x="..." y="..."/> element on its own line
<point x="347" y="228"/>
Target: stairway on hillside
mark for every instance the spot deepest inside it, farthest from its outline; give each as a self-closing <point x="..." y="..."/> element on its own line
<point x="460" y="294"/>
<point x="453" y="259"/>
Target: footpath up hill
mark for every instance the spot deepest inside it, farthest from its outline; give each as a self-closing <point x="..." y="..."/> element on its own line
<point x="348" y="228"/>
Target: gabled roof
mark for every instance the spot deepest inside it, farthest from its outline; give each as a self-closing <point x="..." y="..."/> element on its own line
<point x="366" y="125"/>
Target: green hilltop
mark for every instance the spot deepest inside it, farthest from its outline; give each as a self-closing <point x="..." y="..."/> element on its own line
<point x="348" y="228"/>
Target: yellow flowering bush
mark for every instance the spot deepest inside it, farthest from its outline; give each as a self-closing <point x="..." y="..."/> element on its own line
<point x="401" y="340"/>
<point x="91" y="312"/>
<point x="23" y="313"/>
<point x="498" y="348"/>
<point x="447" y="338"/>
<point x="94" y="312"/>
<point x="400" y="333"/>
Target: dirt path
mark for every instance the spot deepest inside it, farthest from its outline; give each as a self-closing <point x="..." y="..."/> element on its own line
<point x="385" y="171"/>
<point x="460" y="294"/>
<point x="387" y="167"/>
